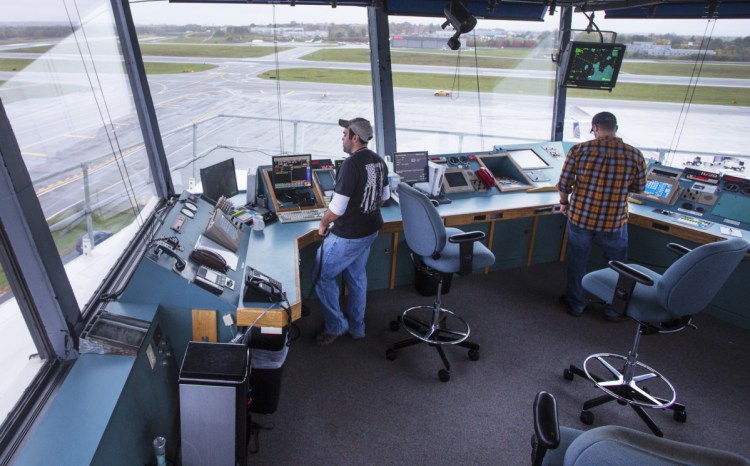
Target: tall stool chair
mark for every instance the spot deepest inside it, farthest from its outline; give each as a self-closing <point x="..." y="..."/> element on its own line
<point x="448" y="251"/>
<point x="659" y="304"/>
<point x="553" y="444"/>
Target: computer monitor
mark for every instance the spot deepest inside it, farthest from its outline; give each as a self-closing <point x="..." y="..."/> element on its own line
<point x="219" y="180"/>
<point x="321" y="163"/>
<point x="326" y="179"/>
<point x="291" y="171"/>
<point x="412" y="167"/>
<point x="592" y="65"/>
<point x="527" y="159"/>
<point x="662" y="184"/>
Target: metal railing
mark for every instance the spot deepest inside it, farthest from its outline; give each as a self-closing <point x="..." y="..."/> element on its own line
<point x="110" y="197"/>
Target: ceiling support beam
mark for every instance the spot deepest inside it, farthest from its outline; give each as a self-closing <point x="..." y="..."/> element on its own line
<point x="561" y="93"/>
<point x="382" y="81"/>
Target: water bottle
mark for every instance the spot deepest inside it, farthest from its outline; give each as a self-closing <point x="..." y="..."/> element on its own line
<point x="160" y="450"/>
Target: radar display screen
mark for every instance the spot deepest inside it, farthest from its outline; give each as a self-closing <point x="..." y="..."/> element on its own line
<point x="592" y="65"/>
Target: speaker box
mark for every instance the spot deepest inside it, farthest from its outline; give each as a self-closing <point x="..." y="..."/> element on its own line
<point x="252" y="186"/>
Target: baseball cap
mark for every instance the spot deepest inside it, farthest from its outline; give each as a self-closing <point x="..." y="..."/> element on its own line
<point x="605" y="119"/>
<point x="358" y="126"/>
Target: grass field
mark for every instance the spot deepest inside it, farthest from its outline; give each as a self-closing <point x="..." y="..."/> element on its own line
<point x="13" y="64"/>
<point x="623" y="91"/>
<point x="512" y="59"/>
<point x="216" y="51"/>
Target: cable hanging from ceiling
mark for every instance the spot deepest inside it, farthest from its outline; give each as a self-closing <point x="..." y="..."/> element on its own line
<point x="277" y="69"/>
<point x="117" y="153"/>
<point x="691" y="87"/>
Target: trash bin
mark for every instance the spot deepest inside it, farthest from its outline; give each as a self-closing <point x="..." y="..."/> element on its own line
<point x="213" y="404"/>
<point x="267" y="353"/>
<point x="426" y="279"/>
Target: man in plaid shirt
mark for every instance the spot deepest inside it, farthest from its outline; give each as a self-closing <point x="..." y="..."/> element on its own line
<point x="594" y="185"/>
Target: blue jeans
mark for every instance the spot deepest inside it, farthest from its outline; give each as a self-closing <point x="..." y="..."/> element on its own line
<point x="615" y="247"/>
<point x="347" y="256"/>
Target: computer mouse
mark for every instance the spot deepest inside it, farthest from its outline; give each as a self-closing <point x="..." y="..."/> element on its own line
<point x="187" y="212"/>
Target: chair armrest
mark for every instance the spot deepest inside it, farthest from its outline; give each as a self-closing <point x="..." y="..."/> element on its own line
<point x="546" y="427"/>
<point x="630" y="272"/>
<point x="467" y="237"/>
<point x="678" y="249"/>
<point x="466" y="248"/>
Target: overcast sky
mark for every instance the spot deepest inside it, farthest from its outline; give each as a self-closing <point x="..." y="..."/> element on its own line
<point x="155" y="12"/>
<point x="163" y="12"/>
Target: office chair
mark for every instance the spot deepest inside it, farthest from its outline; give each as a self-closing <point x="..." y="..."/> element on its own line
<point x="659" y="304"/>
<point x="553" y="445"/>
<point x="448" y="251"/>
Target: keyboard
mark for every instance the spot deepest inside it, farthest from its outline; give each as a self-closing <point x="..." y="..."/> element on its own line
<point x="306" y="215"/>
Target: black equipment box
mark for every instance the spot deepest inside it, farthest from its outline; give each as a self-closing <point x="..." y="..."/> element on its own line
<point x="426" y="279"/>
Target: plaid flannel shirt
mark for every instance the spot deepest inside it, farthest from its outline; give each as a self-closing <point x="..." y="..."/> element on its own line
<point x="600" y="174"/>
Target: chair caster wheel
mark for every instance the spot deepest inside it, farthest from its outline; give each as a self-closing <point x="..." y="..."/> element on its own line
<point x="444" y="375"/>
<point x="474" y="355"/>
<point x="587" y="417"/>
<point x="391" y="354"/>
<point x="680" y="416"/>
<point x="395" y="325"/>
<point x="568" y="374"/>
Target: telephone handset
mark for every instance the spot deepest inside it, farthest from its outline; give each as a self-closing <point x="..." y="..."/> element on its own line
<point x="486" y="176"/>
<point x="210" y="259"/>
<point x="261" y="287"/>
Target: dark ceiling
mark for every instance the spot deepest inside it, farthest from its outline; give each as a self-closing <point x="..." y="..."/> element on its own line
<point x="534" y="10"/>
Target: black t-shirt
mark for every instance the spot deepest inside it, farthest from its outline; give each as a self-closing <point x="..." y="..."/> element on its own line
<point x="361" y="178"/>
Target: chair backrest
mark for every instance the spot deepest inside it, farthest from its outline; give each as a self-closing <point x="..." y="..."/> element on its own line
<point x="691" y="283"/>
<point x="423" y="228"/>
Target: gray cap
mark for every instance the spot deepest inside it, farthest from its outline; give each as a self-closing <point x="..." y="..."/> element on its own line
<point x="358" y="126"/>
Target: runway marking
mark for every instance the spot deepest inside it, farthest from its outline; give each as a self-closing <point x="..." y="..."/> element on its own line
<point x="92" y="169"/>
<point x="33" y="154"/>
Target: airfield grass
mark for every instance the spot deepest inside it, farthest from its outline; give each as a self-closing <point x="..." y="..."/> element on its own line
<point x="15" y="64"/>
<point x="512" y="59"/>
<point x="519" y="86"/>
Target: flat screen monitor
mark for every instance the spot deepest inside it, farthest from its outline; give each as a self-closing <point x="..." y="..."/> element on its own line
<point x="219" y="180"/>
<point x="412" y="167"/>
<point x="291" y="171"/>
<point x="660" y="189"/>
<point x="326" y="179"/>
<point x="592" y="65"/>
<point x="321" y="163"/>
<point x="527" y="159"/>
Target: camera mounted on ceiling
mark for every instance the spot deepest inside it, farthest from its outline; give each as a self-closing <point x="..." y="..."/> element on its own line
<point x="461" y="19"/>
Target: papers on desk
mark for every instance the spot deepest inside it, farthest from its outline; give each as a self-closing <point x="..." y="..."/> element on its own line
<point x="729" y="231"/>
<point x="231" y="258"/>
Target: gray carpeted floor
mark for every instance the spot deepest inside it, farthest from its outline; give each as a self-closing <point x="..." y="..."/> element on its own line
<point x="346" y="403"/>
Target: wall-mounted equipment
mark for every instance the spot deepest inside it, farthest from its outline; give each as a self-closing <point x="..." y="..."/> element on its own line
<point x="461" y="19"/>
<point x="591" y="65"/>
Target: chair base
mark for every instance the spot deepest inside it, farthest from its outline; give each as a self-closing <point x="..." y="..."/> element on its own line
<point x="625" y="389"/>
<point x="436" y="327"/>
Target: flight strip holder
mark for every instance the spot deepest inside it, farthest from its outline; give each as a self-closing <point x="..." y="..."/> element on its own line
<point x="221" y="229"/>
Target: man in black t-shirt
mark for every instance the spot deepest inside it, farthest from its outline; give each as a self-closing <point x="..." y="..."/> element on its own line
<point x="349" y="227"/>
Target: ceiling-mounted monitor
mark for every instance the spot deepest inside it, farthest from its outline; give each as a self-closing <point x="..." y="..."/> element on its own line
<point x="592" y="65"/>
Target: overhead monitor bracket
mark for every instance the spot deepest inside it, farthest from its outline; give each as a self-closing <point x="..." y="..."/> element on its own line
<point x="461" y="19"/>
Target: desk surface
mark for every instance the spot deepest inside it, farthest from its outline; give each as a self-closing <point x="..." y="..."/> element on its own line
<point x="275" y="250"/>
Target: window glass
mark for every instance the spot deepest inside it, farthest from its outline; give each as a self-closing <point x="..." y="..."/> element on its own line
<point x="20" y="360"/>
<point x="67" y="96"/>
<point x="222" y="98"/>
<point x="681" y="95"/>
<point x="495" y="89"/>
